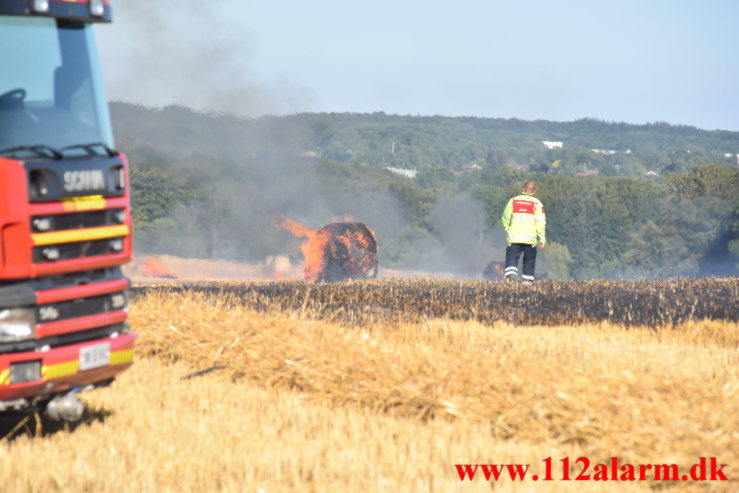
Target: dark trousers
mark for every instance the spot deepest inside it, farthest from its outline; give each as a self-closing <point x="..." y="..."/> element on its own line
<point x="513" y="252"/>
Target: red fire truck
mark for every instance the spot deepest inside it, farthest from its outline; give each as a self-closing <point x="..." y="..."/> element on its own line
<point x="65" y="219"/>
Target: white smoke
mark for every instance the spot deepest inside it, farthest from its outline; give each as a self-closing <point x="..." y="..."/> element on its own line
<point x="194" y="54"/>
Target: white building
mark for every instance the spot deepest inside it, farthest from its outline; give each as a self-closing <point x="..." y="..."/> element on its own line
<point x="549" y="144"/>
<point x="410" y="173"/>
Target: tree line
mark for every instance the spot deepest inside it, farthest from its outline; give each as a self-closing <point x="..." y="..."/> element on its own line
<point x="208" y="186"/>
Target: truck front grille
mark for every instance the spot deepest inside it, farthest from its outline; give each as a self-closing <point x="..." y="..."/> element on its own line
<point x="63" y="310"/>
<point x="77" y="278"/>
<point x="81" y="249"/>
<point x="77" y="220"/>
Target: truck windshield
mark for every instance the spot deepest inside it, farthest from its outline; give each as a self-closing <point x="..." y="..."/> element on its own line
<point x="51" y="92"/>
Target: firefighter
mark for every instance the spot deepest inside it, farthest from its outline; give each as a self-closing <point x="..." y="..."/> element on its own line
<point x="524" y="221"/>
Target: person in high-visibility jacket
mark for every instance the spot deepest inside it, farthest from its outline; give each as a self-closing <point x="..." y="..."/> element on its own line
<point x="525" y="223"/>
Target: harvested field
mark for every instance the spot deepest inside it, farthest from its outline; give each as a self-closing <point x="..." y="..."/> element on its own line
<point x="547" y="303"/>
<point x="318" y="391"/>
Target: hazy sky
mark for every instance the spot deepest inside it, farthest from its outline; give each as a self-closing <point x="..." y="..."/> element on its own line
<point x="635" y="61"/>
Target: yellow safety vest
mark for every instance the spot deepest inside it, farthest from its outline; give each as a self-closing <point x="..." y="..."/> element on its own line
<point x="524" y="220"/>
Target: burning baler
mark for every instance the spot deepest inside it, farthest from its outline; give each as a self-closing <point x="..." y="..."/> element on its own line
<point x="65" y="221"/>
<point x="335" y="252"/>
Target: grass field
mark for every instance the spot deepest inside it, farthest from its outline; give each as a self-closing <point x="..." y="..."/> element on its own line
<point x="313" y="397"/>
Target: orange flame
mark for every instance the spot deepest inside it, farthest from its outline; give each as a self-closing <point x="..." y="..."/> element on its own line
<point x="313" y="247"/>
<point x="155" y="268"/>
<point x="345" y="250"/>
<point x="293" y="226"/>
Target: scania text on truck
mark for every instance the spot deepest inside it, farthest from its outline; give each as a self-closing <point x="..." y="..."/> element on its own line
<point x="65" y="219"/>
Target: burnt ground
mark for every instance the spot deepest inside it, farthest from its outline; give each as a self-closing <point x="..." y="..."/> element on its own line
<point x="638" y="302"/>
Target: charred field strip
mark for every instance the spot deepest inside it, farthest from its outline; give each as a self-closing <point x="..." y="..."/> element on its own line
<point x="629" y="303"/>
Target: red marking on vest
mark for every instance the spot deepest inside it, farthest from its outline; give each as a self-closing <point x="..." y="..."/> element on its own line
<point x="523" y="206"/>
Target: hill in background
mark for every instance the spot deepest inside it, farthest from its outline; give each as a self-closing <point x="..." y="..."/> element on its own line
<point x="622" y="200"/>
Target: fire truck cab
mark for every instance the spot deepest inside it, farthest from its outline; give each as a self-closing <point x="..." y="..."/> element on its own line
<point x="65" y="219"/>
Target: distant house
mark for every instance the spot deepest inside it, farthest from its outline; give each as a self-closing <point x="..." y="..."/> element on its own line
<point x="609" y="152"/>
<point x="652" y="174"/>
<point x="410" y="173"/>
<point x="549" y="144"/>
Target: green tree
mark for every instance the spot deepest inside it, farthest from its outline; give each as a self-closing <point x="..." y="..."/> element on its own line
<point x="156" y="192"/>
<point x="557" y="260"/>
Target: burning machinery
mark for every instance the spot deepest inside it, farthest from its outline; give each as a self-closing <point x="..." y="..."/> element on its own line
<point x="493" y="272"/>
<point x="337" y="251"/>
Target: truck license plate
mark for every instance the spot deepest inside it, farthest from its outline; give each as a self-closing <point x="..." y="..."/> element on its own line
<point x="94" y="356"/>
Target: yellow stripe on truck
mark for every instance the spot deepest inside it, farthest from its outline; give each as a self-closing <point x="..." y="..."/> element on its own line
<point x="5" y="377"/>
<point x="121" y="357"/>
<point x="67" y="368"/>
<point x="88" y="203"/>
<point x="59" y="370"/>
<point x="71" y="236"/>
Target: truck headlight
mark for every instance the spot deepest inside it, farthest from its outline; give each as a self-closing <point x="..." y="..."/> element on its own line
<point x="118" y="300"/>
<point x="17" y="324"/>
<point x="37" y="183"/>
<point x="97" y="8"/>
<point x="50" y="253"/>
<point x="25" y="371"/>
<point x="119" y="216"/>
<point x="116" y="245"/>
<point x="120" y="180"/>
<point x="41" y="223"/>
<point x="39" y="6"/>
